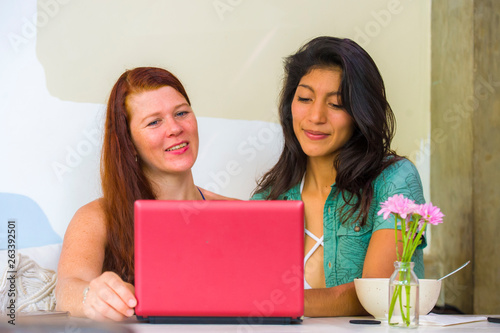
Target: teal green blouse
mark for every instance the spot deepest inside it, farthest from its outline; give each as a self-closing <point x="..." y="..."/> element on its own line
<point x="345" y="244"/>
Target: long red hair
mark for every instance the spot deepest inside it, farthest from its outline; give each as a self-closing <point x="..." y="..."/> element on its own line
<point x="123" y="180"/>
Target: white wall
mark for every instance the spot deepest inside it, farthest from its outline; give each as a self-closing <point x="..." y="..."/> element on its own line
<point x="60" y="59"/>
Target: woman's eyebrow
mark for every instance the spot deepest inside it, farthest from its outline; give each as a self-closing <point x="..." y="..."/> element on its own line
<point x="306" y="86"/>
<point x="181" y="106"/>
<point x="160" y="112"/>
<point x="148" y="117"/>
<point x="332" y="93"/>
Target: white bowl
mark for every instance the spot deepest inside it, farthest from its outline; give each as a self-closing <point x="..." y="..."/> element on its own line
<point x="373" y="294"/>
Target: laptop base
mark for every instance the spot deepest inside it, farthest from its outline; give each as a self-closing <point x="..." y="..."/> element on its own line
<point x="221" y="320"/>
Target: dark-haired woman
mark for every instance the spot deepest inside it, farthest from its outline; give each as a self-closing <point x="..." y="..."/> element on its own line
<point x="337" y="159"/>
<point x="150" y="144"/>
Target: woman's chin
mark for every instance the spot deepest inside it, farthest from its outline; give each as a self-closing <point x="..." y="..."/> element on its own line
<point x="170" y="170"/>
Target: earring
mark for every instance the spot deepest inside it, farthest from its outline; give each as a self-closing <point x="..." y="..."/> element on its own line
<point x="136" y="158"/>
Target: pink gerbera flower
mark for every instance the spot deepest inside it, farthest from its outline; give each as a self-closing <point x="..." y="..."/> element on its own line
<point x="430" y="213"/>
<point x="397" y="204"/>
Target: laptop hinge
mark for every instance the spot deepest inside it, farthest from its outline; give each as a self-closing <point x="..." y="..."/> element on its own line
<point x="221" y="320"/>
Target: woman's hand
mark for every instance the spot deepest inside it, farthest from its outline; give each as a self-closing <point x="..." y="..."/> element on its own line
<point x="109" y="298"/>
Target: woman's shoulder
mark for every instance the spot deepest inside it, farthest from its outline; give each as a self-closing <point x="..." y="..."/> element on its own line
<point x="401" y="168"/>
<point x="88" y="226"/>
<point x="214" y="196"/>
<point x="292" y="194"/>
<point x="90" y="215"/>
<point x="94" y="208"/>
<point x="401" y="177"/>
<point x="263" y="195"/>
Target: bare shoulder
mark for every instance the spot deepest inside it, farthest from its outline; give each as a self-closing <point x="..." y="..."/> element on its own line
<point x="214" y="196"/>
<point x="89" y="219"/>
<point x="84" y="243"/>
<point x="93" y="208"/>
<point x="91" y="213"/>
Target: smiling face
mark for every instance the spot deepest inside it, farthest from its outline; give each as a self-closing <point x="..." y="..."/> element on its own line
<point x="320" y="123"/>
<point x="164" y="131"/>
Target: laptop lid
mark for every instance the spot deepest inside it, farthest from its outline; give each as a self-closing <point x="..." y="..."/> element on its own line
<point x="225" y="259"/>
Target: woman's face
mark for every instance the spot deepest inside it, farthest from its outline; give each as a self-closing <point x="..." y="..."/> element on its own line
<point x="164" y="130"/>
<point x="320" y="124"/>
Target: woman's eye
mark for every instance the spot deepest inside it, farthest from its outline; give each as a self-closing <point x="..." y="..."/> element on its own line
<point x="335" y="106"/>
<point x="153" y="123"/>
<point x="303" y="99"/>
<point x="181" y="113"/>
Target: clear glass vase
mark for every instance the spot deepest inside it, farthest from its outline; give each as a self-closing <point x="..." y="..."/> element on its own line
<point x="403" y="296"/>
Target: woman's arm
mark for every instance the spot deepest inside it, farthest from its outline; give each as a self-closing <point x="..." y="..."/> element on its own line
<point x="342" y="300"/>
<point x="332" y="302"/>
<point x="80" y="267"/>
<point x="381" y="254"/>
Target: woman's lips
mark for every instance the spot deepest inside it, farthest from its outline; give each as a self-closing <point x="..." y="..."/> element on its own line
<point x="315" y="135"/>
<point x="178" y="148"/>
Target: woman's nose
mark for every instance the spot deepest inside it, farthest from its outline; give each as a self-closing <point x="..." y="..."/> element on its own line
<point x="317" y="113"/>
<point x="173" y="128"/>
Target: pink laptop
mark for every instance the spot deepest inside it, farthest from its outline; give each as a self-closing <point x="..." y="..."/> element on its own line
<point x="219" y="261"/>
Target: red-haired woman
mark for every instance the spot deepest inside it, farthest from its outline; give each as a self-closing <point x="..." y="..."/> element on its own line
<point x="150" y="145"/>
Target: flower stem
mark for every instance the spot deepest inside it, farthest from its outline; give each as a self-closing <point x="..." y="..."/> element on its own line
<point x="396" y="236"/>
<point x="418" y="238"/>
<point x="395" y="295"/>
<point x="408" y="306"/>
<point x="405" y="238"/>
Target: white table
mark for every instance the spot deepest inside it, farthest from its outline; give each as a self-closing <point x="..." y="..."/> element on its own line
<point x="330" y="325"/>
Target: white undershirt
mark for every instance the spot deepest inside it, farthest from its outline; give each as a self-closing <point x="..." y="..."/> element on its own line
<point x="319" y="242"/>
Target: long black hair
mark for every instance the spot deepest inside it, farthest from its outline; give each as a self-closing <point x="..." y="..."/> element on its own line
<point x="362" y="95"/>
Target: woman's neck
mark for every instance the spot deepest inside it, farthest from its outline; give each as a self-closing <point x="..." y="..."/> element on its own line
<point x="320" y="174"/>
<point x="175" y="186"/>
